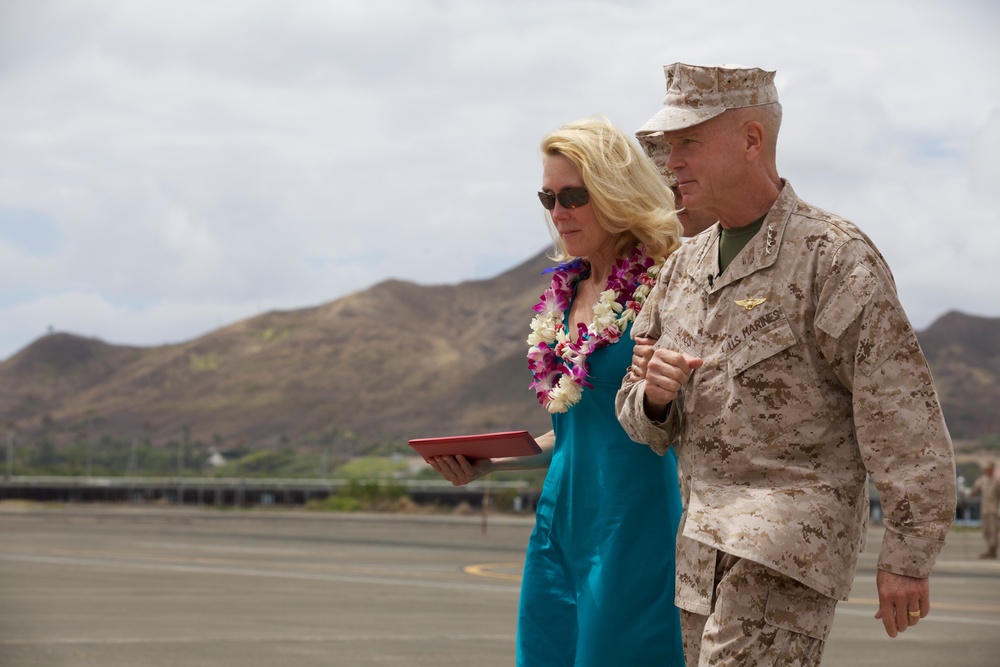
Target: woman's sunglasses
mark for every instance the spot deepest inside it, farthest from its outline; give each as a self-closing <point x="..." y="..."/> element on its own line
<point x="569" y="198"/>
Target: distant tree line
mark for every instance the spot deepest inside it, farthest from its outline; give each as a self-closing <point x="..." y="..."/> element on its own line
<point x="187" y="456"/>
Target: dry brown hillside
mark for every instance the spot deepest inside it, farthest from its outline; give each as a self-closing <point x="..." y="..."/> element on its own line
<point x="395" y="361"/>
<point x="964" y="354"/>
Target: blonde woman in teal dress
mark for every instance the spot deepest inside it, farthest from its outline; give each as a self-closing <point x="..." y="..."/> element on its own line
<point x="598" y="582"/>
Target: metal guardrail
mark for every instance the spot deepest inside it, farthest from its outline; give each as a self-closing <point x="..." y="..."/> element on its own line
<point x="229" y="482"/>
<point x="238" y="491"/>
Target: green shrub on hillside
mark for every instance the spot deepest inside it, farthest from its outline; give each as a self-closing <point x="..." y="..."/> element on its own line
<point x="366" y="495"/>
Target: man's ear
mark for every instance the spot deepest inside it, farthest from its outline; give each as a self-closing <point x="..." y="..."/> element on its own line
<point x="753" y="140"/>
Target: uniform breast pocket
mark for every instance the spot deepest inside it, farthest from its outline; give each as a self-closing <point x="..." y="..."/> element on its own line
<point x="772" y="379"/>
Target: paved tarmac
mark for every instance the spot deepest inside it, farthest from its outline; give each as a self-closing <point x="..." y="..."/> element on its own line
<point x="130" y="587"/>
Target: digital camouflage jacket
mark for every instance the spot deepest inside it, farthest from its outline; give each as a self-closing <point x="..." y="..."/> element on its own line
<point x="812" y="380"/>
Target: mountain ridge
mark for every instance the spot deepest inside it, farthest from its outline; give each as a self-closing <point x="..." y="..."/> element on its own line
<point x="392" y="362"/>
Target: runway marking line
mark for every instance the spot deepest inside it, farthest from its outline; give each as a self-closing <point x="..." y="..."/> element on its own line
<point x="950" y="606"/>
<point x="487" y="570"/>
<point x="140" y="559"/>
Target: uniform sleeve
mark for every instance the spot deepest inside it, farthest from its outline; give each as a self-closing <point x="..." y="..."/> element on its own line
<point x="869" y="342"/>
<point x="628" y="402"/>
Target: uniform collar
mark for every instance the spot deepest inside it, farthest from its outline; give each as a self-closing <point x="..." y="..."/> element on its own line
<point x="760" y="253"/>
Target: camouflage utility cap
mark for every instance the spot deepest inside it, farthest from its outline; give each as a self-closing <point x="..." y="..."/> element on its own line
<point x="696" y="93"/>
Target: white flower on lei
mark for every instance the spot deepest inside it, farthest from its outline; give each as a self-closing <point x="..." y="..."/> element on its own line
<point x="543" y="329"/>
<point x="606" y="311"/>
<point x="564" y="395"/>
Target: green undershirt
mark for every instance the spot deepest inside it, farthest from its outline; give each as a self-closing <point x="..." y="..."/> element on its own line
<point x="733" y="241"/>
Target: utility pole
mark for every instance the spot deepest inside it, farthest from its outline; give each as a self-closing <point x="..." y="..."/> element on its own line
<point x="10" y="454"/>
<point x="90" y="421"/>
<point x="181" y="446"/>
<point x="130" y="469"/>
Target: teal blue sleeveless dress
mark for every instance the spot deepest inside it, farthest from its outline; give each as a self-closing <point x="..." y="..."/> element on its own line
<point x="598" y="583"/>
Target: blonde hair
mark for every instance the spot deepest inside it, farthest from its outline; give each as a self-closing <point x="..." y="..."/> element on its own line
<point x="630" y="200"/>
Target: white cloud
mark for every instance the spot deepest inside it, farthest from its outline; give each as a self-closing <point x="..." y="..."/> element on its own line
<point x="167" y="167"/>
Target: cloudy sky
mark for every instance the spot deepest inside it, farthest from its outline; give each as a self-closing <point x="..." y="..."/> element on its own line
<point x="168" y="167"/>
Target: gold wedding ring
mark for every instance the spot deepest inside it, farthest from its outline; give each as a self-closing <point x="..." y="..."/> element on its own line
<point x="913" y="613"/>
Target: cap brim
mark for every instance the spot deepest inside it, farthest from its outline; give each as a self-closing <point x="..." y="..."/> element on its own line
<point x="657" y="152"/>
<point x="669" y="119"/>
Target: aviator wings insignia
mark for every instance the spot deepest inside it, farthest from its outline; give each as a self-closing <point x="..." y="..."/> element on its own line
<point x="749" y="304"/>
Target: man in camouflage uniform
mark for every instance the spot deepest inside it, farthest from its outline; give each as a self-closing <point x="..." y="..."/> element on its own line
<point x="988" y="487"/>
<point x="784" y="371"/>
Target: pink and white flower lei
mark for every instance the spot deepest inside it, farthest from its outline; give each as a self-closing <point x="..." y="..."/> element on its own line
<point x="558" y="364"/>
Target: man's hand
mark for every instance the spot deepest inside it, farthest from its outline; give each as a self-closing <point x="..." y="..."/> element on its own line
<point x="666" y="372"/>
<point x="902" y="601"/>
